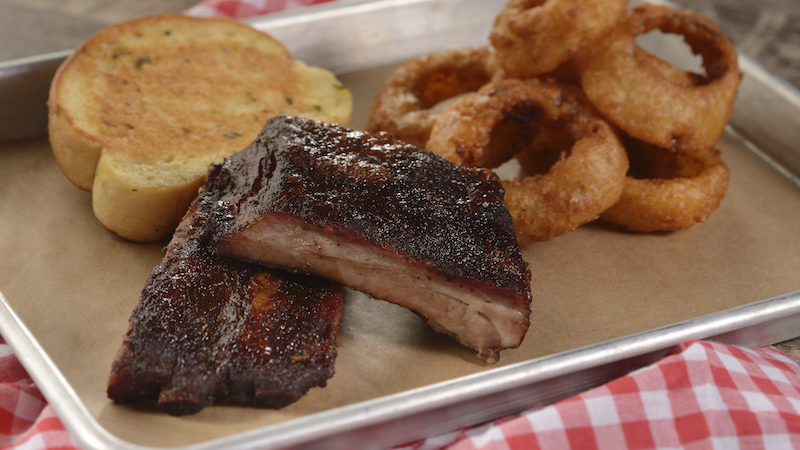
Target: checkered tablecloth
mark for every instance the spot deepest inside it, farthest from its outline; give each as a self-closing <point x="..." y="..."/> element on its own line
<point x="239" y="9"/>
<point x="701" y="395"/>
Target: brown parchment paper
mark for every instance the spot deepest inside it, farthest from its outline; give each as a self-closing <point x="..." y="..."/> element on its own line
<point x="74" y="285"/>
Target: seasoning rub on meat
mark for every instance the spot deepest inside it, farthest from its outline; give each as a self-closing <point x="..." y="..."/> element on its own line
<point x="210" y="329"/>
<point x="381" y="217"/>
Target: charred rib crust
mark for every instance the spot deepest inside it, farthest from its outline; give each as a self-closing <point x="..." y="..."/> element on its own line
<point x="383" y="217"/>
<point x="210" y="329"/>
<point x="385" y="192"/>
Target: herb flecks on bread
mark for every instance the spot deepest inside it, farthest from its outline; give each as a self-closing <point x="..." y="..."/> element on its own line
<point x="141" y="109"/>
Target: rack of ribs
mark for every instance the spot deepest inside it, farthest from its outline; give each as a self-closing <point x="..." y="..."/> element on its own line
<point x="210" y="329"/>
<point x="382" y="217"/>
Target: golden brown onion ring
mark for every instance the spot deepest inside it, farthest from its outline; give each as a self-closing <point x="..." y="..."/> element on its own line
<point x="634" y="91"/>
<point x="533" y="37"/>
<point x="488" y="127"/>
<point x="668" y="190"/>
<point x="403" y="105"/>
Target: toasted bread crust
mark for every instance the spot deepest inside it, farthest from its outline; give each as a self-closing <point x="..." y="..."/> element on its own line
<point x="126" y="208"/>
<point x="141" y="109"/>
<point x="75" y="150"/>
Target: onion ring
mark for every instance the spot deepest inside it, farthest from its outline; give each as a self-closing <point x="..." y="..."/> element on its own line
<point x="533" y="37"/>
<point x="634" y="91"/>
<point x="668" y="191"/>
<point x="488" y="127"/>
<point x="403" y="105"/>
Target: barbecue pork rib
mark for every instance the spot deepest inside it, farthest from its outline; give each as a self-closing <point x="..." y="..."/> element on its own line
<point x="382" y="217"/>
<point x="210" y="329"/>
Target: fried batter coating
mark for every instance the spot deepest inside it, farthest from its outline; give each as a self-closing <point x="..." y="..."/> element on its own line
<point x="639" y="94"/>
<point x="668" y="190"/>
<point x="533" y="37"/>
<point x="403" y="105"/>
<point x="538" y="118"/>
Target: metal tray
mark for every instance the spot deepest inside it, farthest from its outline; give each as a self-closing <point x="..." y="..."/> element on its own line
<point x="372" y="33"/>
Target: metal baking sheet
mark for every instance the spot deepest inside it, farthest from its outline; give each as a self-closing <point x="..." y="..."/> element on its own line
<point x="357" y="36"/>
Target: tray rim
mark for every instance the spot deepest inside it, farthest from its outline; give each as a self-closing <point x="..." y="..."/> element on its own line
<point x="760" y="323"/>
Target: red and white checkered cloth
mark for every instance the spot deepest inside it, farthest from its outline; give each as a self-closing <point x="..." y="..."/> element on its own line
<point x="26" y="420"/>
<point x="702" y="395"/>
<point x="239" y="9"/>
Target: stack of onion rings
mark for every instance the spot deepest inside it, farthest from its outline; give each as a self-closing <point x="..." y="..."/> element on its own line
<point x="490" y="126"/>
<point x="561" y="107"/>
<point x="676" y="115"/>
